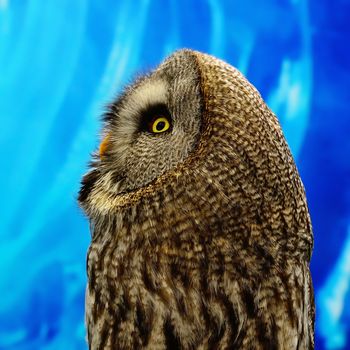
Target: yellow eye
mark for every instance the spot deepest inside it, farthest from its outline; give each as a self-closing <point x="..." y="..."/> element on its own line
<point x="159" y="124"/>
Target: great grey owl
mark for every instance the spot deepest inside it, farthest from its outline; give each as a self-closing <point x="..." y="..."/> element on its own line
<point x="201" y="236"/>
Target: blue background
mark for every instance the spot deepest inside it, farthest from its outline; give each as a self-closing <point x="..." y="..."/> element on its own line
<point x="62" y="61"/>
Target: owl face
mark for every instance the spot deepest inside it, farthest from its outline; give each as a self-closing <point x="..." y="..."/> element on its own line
<point x="152" y="127"/>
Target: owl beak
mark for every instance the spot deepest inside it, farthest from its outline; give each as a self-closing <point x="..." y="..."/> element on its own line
<point x="104" y="145"/>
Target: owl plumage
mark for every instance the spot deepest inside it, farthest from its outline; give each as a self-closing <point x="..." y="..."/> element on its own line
<point x="201" y="236"/>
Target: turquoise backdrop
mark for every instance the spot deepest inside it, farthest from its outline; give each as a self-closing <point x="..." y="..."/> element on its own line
<point x="61" y="61"/>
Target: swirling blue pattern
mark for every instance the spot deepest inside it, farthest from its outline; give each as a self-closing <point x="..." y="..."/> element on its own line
<point x="62" y="61"/>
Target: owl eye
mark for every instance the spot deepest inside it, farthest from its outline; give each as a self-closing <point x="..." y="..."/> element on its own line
<point x="159" y="124"/>
<point x="155" y="119"/>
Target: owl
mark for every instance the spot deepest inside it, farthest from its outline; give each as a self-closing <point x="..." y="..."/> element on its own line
<point x="201" y="235"/>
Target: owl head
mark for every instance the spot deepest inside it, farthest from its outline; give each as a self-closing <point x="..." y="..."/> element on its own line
<point x="195" y="128"/>
<point x="154" y="125"/>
